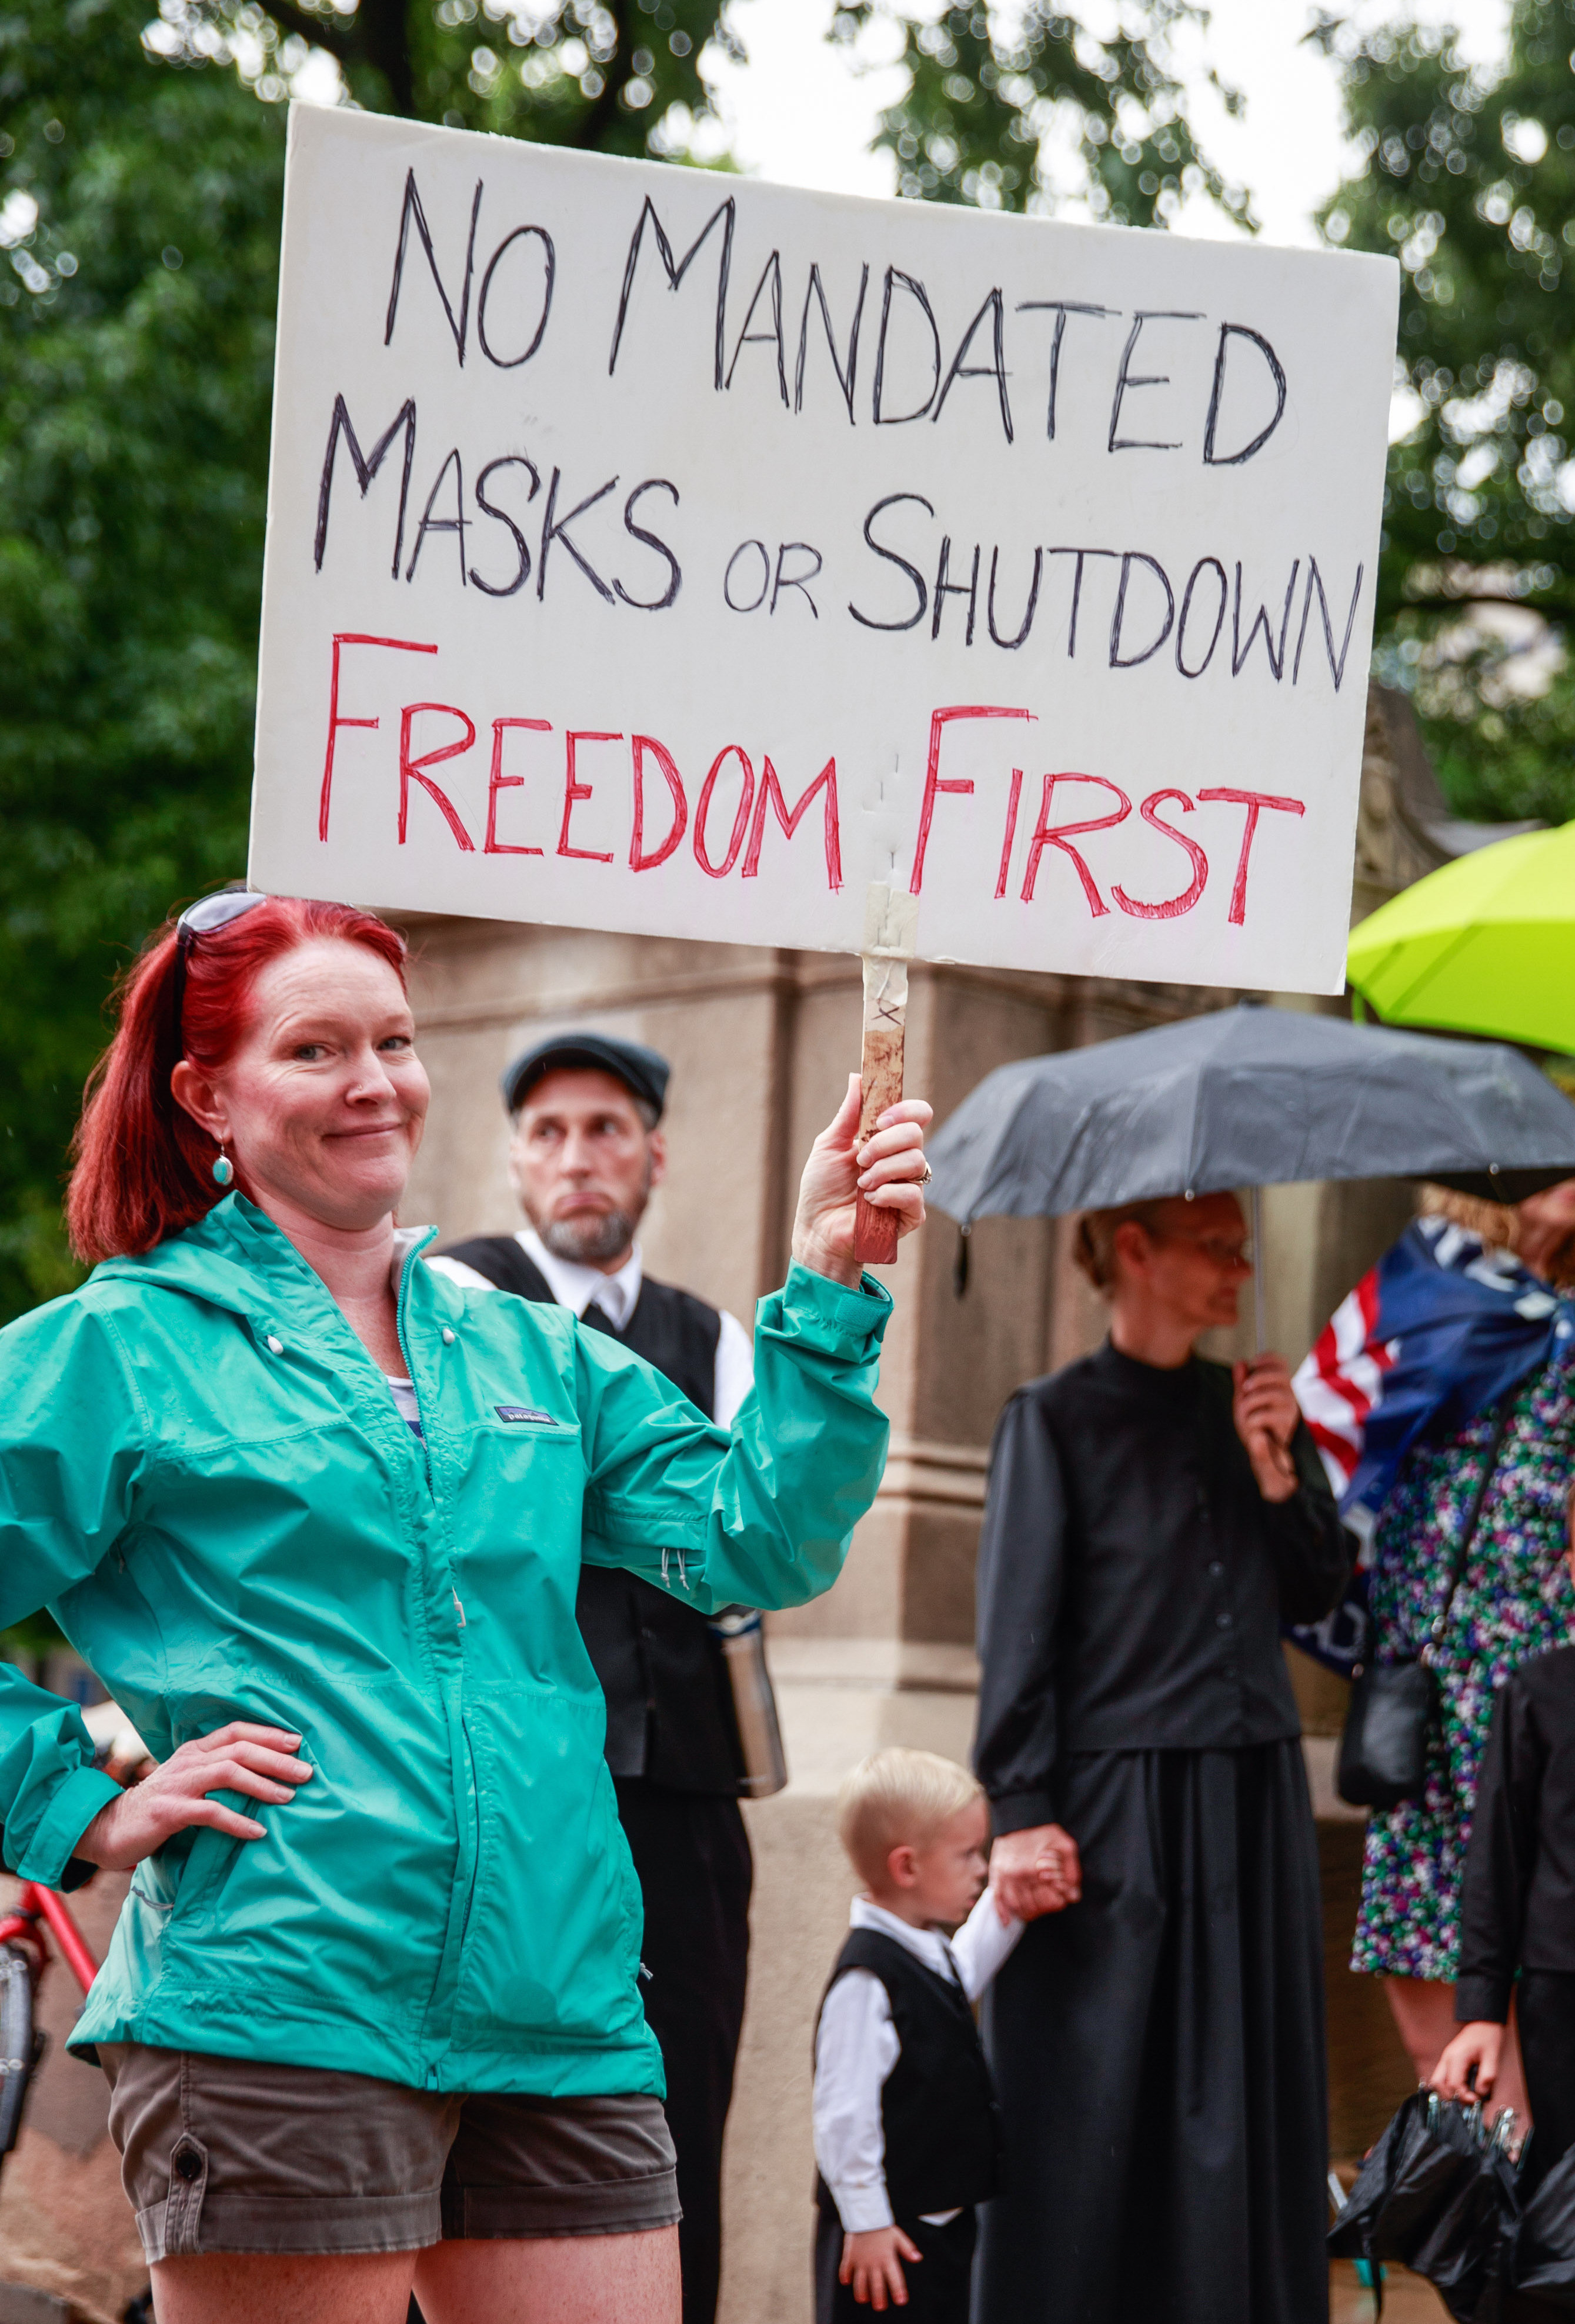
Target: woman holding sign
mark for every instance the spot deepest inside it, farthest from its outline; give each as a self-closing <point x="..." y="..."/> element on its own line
<point x="372" y="2014"/>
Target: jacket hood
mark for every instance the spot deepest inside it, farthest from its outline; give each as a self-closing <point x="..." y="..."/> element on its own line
<point x="236" y="1258"/>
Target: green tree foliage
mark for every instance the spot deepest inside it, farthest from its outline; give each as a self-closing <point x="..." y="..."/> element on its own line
<point x="987" y="86"/>
<point x="141" y="177"/>
<point x="141" y="212"/>
<point x="1469" y="179"/>
<point x="613" y="76"/>
<point x="141" y="180"/>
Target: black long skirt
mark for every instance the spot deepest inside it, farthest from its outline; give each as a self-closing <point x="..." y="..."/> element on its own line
<point x="1158" y="2049"/>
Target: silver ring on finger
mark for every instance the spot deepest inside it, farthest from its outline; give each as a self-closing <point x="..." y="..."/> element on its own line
<point x="929" y="1174"/>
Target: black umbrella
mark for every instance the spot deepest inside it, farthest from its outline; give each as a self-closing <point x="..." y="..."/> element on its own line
<point x="1439" y="2193"/>
<point x="1247" y="1097"/>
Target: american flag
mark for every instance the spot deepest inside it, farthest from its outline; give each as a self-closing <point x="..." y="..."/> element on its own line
<point x="1441" y="1329"/>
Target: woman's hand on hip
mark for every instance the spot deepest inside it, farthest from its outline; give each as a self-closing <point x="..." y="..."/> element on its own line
<point x="888" y="1169"/>
<point x="258" y="1761"/>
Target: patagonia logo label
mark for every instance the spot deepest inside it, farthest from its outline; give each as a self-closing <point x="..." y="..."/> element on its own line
<point x="516" y="1412"/>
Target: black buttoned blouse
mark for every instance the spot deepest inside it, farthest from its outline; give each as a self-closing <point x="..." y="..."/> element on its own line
<point x="1133" y="1580"/>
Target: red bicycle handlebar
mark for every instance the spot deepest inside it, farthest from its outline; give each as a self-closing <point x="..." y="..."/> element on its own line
<point x="33" y="1903"/>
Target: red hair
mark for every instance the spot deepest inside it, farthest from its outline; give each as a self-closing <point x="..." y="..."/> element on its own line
<point x="143" y="1167"/>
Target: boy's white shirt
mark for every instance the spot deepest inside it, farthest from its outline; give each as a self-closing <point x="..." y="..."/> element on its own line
<point x="856" y="2048"/>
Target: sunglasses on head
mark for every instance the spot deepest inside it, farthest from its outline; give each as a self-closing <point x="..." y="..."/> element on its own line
<point x="201" y="920"/>
<point x="205" y="919"/>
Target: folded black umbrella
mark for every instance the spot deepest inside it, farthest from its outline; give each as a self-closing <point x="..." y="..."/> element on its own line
<point x="1543" y="2264"/>
<point x="1441" y="2194"/>
<point x="1247" y="1097"/>
<point x="1434" y="2196"/>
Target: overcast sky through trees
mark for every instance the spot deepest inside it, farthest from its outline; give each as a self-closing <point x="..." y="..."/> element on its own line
<point x="799" y="115"/>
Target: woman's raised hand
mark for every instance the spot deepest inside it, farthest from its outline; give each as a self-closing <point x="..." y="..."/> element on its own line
<point x="258" y="1761"/>
<point x="889" y="1170"/>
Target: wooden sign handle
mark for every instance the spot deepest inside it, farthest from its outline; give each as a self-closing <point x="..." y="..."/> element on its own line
<point x="890" y="920"/>
<point x="875" y="1230"/>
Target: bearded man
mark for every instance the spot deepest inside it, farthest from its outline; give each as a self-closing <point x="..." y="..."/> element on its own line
<point x="586" y="1155"/>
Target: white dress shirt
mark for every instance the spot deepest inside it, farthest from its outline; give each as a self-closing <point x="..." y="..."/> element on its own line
<point x="856" y="2048"/>
<point x="577" y="1288"/>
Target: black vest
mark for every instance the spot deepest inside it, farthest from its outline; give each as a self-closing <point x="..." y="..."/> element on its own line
<point x="937" y="2108"/>
<point x="669" y="1706"/>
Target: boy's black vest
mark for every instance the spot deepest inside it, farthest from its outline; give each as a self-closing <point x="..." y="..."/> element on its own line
<point x="937" y="2108"/>
<point x="669" y="1706"/>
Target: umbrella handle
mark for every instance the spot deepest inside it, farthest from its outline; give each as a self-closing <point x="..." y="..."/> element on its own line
<point x="1259" y="1290"/>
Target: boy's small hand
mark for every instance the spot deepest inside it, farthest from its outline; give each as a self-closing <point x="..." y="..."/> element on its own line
<point x="1035" y="1872"/>
<point x="1479" y="2044"/>
<point x="872" y="2264"/>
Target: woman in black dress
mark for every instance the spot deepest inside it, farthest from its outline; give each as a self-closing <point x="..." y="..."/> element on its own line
<point x="1158" y="2044"/>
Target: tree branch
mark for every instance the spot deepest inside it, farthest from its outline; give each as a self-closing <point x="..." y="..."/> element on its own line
<point x="594" y="124"/>
<point x="618" y="73"/>
<point x="384" y="27"/>
<point x="339" y="42"/>
<point x="1448" y="602"/>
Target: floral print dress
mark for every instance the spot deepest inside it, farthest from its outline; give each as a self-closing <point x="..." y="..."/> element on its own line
<point x="1516" y="1600"/>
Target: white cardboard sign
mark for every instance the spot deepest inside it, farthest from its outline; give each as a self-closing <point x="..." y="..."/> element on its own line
<point x="657" y="550"/>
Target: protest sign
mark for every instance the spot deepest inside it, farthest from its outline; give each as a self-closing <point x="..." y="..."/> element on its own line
<point x="652" y="549"/>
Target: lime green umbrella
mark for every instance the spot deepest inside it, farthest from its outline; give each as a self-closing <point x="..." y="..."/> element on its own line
<point x="1485" y="945"/>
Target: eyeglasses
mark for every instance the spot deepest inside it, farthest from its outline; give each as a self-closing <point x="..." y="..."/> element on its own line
<point x="201" y="920"/>
<point x="1220" y="1249"/>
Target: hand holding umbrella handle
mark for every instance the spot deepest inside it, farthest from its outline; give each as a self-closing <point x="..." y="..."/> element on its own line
<point x="1469" y="2066"/>
<point x="1266" y="1413"/>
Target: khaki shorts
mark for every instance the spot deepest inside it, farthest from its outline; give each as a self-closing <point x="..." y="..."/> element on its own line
<point x="226" y="2154"/>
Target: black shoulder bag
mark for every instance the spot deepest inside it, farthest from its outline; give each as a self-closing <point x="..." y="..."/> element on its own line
<point x="1383" y="1747"/>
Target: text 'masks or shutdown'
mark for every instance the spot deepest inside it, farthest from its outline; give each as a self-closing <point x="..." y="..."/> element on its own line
<point x="657" y="550"/>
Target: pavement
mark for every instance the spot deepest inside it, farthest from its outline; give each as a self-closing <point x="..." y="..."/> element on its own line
<point x="1407" y="2300"/>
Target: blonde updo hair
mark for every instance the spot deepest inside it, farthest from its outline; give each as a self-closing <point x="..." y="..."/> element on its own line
<point x="1497" y="1225"/>
<point x="899" y="1799"/>
<point x="1093" y="1247"/>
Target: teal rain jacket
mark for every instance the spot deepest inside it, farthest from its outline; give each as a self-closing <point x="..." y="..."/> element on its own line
<point x="204" y="1476"/>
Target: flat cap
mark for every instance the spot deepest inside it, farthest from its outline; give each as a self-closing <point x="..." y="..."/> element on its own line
<point x="641" y="1071"/>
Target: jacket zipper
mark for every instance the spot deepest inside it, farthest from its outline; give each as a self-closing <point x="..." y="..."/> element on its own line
<point x="476" y="1826"/>
<point x="401" y="1312"/>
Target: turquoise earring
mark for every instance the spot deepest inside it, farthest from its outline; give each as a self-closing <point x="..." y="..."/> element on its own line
<point x="224" y="1169"/>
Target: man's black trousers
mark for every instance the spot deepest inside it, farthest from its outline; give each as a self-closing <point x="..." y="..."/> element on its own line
<point x="692" y="1855"/>
<point x="1545" y="2005"/>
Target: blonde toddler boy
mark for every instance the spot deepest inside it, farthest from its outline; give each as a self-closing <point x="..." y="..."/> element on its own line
<point x="905" y="2131"/>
